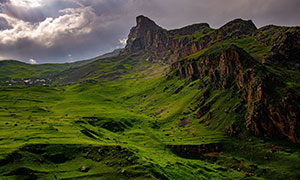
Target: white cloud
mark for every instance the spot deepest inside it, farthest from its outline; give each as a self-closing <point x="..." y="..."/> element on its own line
<point x="27" y="3"/>
<point x="32" y="61"/>
<point x="83" y="28"/>
<point x="72" y="21"/>
<point x="123" y="41"/>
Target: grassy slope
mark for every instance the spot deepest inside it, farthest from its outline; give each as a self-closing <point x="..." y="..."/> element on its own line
<point x="50" y="132"/>
<point x="247" y="43"/>
<point x="16" y="70"/>
<point x="11" y="69"/>
<point x="203" y="31"/>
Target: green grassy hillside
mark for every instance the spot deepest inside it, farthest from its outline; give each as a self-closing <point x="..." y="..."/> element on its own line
<point x="11" y="69"/>
<point x="132" y="115"/>
<point x="16" y="70"/>
<point x="134" y="120"/>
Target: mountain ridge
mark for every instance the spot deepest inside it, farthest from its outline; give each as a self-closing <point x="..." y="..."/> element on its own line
<point x="163" y="47"/>
<point x="154" y="40"/>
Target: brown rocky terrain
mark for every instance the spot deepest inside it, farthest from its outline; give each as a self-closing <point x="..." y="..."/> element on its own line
<point x="267" y="115"/>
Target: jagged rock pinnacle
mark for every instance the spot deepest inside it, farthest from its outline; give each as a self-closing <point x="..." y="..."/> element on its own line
<point x="146" y="23"/>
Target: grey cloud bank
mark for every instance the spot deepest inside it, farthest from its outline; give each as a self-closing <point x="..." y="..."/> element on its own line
<point x="68" y="30"/>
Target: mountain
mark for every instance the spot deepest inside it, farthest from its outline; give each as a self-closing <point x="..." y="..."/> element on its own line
<point x="168" y="46"/>
<point x="175" y="44"/>
<point x="221" y="61"/>
<point x="188" y="103"/>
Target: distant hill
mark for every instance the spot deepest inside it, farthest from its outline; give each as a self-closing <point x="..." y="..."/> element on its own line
<point x="12" y="69"/>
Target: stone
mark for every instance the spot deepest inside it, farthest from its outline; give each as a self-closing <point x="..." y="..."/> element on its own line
<point x="123" y="171"/>
<point x="84" y="169"/>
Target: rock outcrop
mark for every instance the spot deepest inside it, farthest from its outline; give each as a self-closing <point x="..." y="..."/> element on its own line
<point x="268" y="113"/>
<point x="144" y="35"/>
<point x="285" y="43"/>
<point x="165" y="46"/>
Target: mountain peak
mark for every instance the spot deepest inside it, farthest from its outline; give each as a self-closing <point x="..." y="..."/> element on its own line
<point x="240" y="24"/>
<point x="142" y="34"/>
<point x="144" y="22"/>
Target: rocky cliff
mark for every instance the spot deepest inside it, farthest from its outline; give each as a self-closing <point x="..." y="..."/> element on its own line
<point x="144" y="35"/>
<point x="269" y="113"/>
<point x="165" y="46"/>
<point x="285" y="43"/>
<point x="231" y="58"/>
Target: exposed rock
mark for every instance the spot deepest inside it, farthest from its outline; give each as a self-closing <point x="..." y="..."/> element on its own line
<point x="165" y="46"/>
<point x="143" y="35"/>
<point x="123" y="172"/>
<point x="285" y="43"/>
<point x="221" y="68"/>
<point x="267" y="115"/>
<point x="288" y="50"/>
<point x="84" y="169"/>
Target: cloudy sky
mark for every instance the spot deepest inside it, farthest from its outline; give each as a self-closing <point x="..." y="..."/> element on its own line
<point x="39" y="31"/>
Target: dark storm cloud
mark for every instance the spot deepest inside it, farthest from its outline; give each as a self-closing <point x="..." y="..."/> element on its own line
<point x="4" y="1"/>
<point x="218" y="12"/>
<point x="66" y="30"/>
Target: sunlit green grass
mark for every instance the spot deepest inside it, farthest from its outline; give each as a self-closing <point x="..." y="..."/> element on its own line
<point x="51" y="132"/>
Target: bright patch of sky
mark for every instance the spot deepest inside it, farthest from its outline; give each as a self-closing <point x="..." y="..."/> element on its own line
<point x="27" y="3"/>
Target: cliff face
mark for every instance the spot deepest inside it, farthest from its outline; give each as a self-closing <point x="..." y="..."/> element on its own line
<point x="285" y="43"/>
<point x="234" y="68"/>
<point x="168" y="46"/>
<point x="272" y="106"/>
<point x="144" y="35"/>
